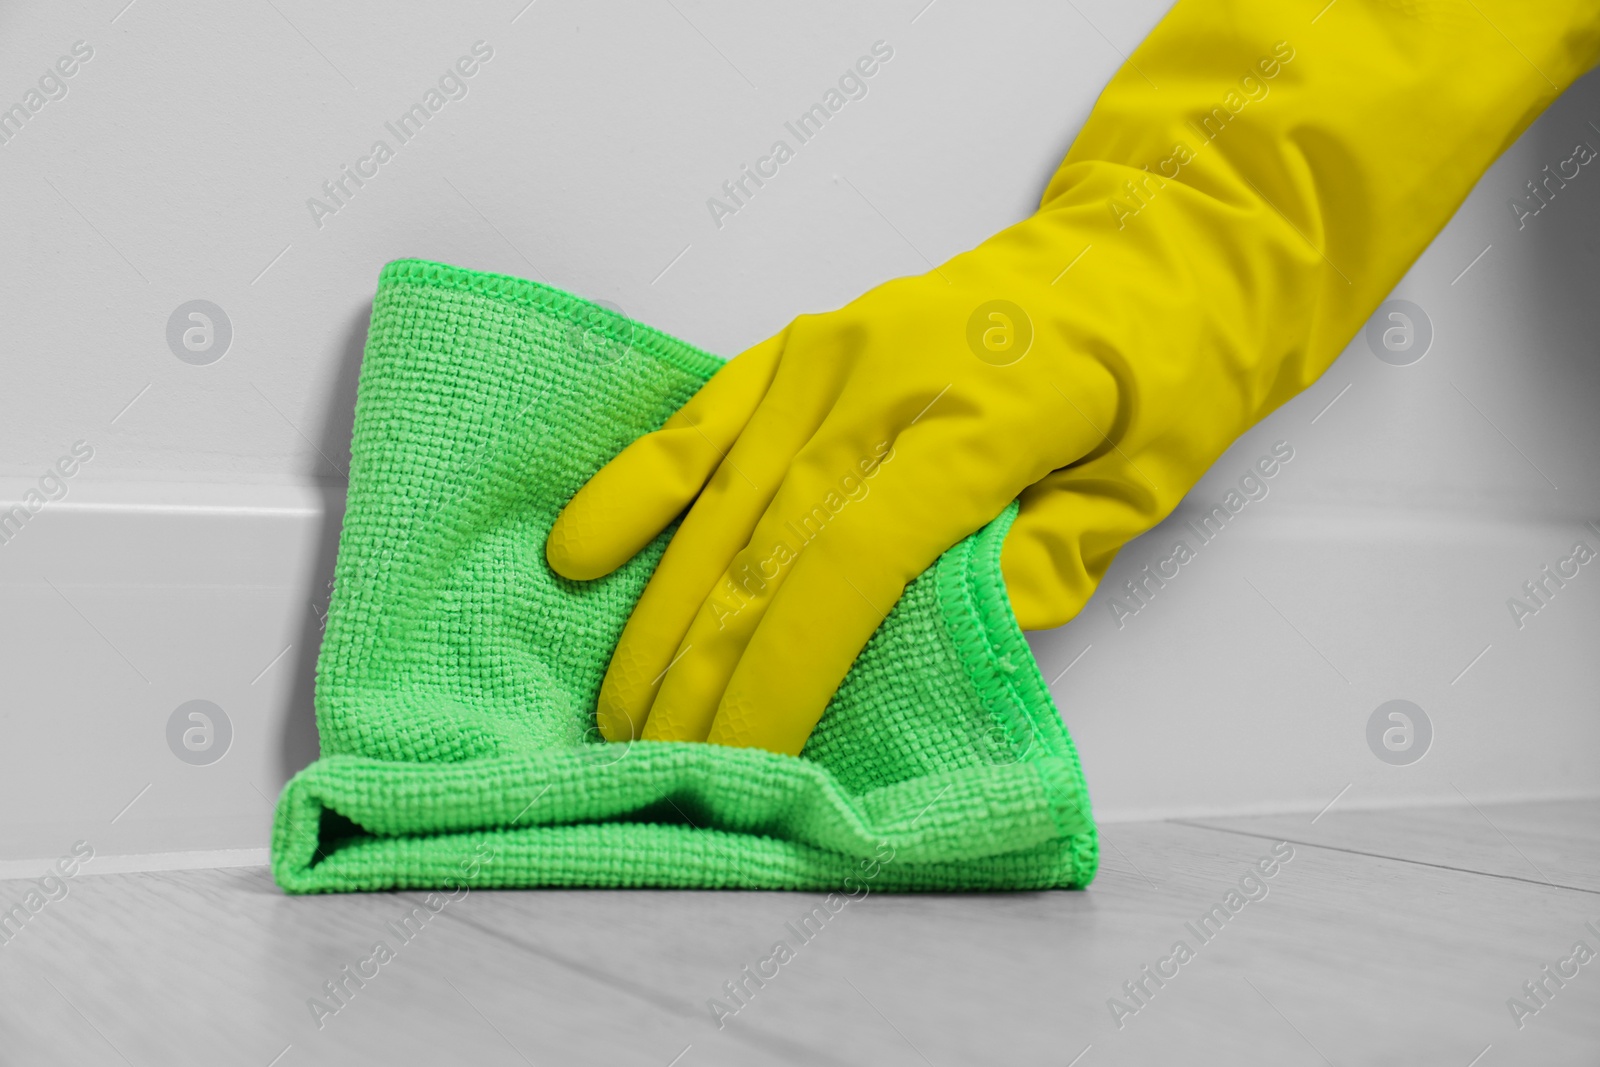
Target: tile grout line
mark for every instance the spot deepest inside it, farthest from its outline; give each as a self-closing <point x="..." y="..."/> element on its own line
<point x="1378" y="855"/>
<point x="765" y="1041"/>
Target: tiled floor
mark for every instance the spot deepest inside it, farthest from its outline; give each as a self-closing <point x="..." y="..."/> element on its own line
<point x="1393" y="937"/>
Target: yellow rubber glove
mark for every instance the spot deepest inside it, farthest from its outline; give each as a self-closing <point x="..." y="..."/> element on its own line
<point x="1246" y="191"/>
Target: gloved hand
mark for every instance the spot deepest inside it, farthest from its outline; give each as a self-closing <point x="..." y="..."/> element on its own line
<point x="859" y="446"/>
<point x="1245" y="192"/>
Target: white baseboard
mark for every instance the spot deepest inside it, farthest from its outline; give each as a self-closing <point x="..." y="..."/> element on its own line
<point x="141" y="863"/>
<point x="1243" y="686"/>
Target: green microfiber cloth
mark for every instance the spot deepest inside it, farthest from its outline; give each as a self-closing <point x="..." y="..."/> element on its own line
<point x="458" y="675"/>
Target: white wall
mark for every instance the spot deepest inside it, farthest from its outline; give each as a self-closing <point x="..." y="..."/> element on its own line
<point x="195" y="546"/>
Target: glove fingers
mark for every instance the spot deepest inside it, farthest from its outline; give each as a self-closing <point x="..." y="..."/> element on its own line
<point x="719" y="626"/>
<point x="838" y="591"/>
<point x="833" y="472"/>
<point x="713" y="533"/>
<point x="634" y="497"/>
<point x="847" y="579"/>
